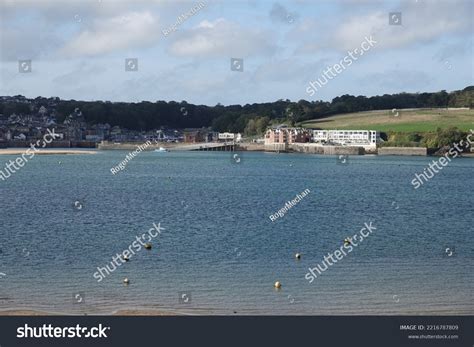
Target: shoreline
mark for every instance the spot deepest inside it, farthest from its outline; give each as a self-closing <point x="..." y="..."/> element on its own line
<point x="401" y="151"/>
<point x="174" y="313"/>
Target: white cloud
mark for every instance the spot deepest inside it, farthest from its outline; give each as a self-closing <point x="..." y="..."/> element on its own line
<point x="422" y="22"/>
<point x="134" y="29"/>
<point x="222" y="38"/>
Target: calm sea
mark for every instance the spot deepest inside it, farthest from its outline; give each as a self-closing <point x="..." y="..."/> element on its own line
<point x="219" y="246"/>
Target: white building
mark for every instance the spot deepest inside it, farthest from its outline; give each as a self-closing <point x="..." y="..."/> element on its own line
<point x="229" y="137"/>
<point x="347" y="137"/>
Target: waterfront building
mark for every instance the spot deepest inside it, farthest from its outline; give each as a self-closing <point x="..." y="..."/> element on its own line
<point x="229" y="137"/>
<point x="283" y="134"/>
<point x="347" y="137"/>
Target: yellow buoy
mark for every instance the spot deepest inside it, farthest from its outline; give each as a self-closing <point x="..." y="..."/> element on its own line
<point x="277" y="285"/>
<point x="147" y="245"/>
<point x="298" y="256"/>
<point x="126" y="281"/>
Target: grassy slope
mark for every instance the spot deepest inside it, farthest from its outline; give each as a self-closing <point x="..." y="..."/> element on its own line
<point x="408" y="120"/>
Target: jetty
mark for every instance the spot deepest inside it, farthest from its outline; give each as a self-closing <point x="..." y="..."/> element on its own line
<point x="200" y="146"/>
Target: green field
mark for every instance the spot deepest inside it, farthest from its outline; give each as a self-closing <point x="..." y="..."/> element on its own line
<point x="412" y="120"/>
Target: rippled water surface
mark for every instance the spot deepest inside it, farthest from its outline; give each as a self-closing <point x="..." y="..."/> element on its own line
<point x="220" y="247"/>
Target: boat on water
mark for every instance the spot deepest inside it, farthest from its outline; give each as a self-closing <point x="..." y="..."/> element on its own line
<point x="161" y="150"/>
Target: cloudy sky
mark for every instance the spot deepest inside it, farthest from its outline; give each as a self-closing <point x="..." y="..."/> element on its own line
<point x="78" y="48"/>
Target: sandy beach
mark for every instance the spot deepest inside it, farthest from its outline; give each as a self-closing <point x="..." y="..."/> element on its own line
<point x="20" y="151"/>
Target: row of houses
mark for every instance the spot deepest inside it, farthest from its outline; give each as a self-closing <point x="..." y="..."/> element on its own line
<point x="33" y="126"/>
<point x="32" y="120"/>
<point x="286" y="135"/>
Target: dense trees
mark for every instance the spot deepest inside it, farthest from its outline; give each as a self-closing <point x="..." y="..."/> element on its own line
<point x="256" y="126"/>
<point x="250" y="118"/>
<point x="430" y="139"/>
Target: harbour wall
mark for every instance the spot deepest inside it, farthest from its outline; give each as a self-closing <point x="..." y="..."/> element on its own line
<point x="409" y="151"/>
<point x="326" y="150"/>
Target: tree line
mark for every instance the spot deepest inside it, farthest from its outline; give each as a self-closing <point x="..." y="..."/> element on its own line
<point x="251" y="119"/>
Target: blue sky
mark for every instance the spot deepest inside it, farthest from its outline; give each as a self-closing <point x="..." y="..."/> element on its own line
<point x="78" y="48"/>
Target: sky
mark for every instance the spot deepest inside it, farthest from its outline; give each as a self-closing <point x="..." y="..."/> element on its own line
<point x="78" y="49"/>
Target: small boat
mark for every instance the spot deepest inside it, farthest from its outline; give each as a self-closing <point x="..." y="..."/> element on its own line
<point x="161" y="150"/>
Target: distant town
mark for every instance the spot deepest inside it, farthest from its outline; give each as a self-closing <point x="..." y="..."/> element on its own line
<point x="24" y="121"/>
<point x="18" y="130"/>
